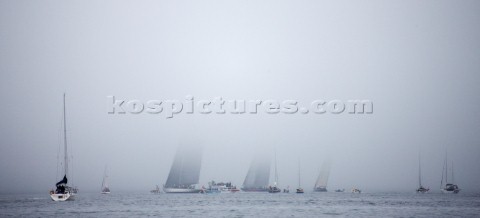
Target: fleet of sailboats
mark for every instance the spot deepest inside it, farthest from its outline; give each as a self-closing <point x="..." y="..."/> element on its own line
<point x="185" y="172"/>
<point x="63" y="192"/>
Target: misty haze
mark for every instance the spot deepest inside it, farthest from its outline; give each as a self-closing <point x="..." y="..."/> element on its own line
<point x="414" y="64"/>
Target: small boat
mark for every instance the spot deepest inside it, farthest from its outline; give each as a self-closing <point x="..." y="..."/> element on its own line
<point x="420" y="189"/>
<point x="340" y="190"/>
<point x="63" y="192"/>
<point x="105" y="189"/>
<point x="299" y="189"/>
<point x="449" y="188"/>
<point x="221" y="187"/>
<point x="273" y="189"/>
<point x="286" y="190"/>
<point x="228" y="188"/>
<point x="356" y="191"/>
<point x="156" y="190"/>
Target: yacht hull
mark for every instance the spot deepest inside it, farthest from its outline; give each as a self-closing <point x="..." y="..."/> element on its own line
<point x="62" y="197"/>
<point x="181" y="190"/>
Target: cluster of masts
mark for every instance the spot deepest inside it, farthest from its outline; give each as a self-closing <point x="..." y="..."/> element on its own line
<point x="185" y="171"/>
<point x="445" y="186"/>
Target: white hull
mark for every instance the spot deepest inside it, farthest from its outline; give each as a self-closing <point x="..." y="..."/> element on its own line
<point x="181" y="190"/>
<point x="62" y="197"/>
<point x="105" y="192"/>
<point x="450" y="192"/>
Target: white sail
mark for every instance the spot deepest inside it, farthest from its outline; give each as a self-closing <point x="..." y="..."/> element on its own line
<point x="322" y="179"/>
<point x="258" y="174"/>
<point x="105" y="189"/>
<point x="185" y="170"/>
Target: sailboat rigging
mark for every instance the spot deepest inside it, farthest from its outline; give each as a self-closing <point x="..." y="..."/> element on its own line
<point x="420" y="189"/>
<point x="299" y="189"/>
<point x="63" y="192"/>
<point x="449" y="188"/>
<point x="274" y="188"/>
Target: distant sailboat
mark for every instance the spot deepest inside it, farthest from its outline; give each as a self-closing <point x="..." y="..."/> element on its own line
<point x="63" y="192"/>
<point x="299" y="189"/>
<point x="356" y="190"/>
<point x="274" y="188"/>
<point x="185" y="172"/>
<point x="258" y="175"/>
<point x="156" y="190"/>
<point x="322" y="180"/>
<point x="420" y="189"/>
<point x="449" y="188"/>
<point x="105" y="189"/>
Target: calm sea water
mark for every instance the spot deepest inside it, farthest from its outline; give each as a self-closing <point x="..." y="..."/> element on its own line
<point x="245" y="205"/>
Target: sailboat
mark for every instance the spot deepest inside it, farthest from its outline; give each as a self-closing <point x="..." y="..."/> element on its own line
<point x="322" y="179"/>
<point x="63" y="192"/>
<point x="420" y="189"/>
<point x="274" y="188"/>
<point x="185" y="172"/>
<point x="449" y="188"/>
<point x="105" y="189"/>
<point x="156" y="190"/>
<point x="299" y="189"/>
<point x="258" y="175"/>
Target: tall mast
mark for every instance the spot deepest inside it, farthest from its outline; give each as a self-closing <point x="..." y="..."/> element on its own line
<point x="65" y="135"/>
<point x="299" y="184"/>
<point x="276" y="174"/>
<point x="446" y="168"/>
<point x="453" y="178"/>
<point x="419" y="170"/>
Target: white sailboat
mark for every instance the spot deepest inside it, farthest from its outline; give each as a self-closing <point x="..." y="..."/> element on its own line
<point x="299" y="189"/>
<point x="420" y="189"/>
<point x="322" y="179"/>
<point x="185" y="172"/>
<point x="105" y="189"/>
<point x="449" y="188"/>
<point x="274" y="188"/>
<point x="258" y="175"/>
<point x="63" y="192"/>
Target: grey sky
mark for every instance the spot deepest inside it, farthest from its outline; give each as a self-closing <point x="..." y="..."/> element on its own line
<point x="418" y="61"/>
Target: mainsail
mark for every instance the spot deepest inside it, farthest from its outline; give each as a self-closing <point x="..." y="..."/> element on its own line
<point x="259" y="173"/>
<point x="322" y="180"/>
<point x="185" y="169"/>
<point x="105" y="187"/>
<point x="62" y="182"/>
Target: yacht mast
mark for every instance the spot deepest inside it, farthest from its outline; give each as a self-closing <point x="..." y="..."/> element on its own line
<point x="276" y="173"/>
<point x="65" y="136"/>
<point x="419" y="171"/>
<point x="299" y="184"/>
